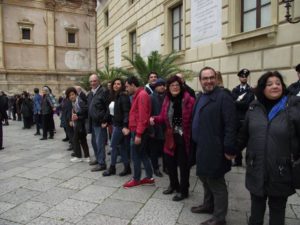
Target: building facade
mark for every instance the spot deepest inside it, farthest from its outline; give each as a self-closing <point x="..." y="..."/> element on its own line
<point x="227" y="35"/>
<point x="46" y="42"/>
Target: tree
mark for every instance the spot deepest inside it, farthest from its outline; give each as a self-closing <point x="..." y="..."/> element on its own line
<point x="165" y="66"/>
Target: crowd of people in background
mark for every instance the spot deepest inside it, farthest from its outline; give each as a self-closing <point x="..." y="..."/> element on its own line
<point x="166" y="119"/>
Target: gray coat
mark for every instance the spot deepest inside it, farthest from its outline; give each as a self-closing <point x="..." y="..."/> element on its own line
<point x="268" y="169"/>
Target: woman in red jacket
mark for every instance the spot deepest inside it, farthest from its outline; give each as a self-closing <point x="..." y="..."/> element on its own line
<point x="176" y="114"/>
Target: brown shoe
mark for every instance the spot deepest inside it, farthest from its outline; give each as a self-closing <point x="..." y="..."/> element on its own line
<point x="213" y="222"/>
<point x="202" y="209"/>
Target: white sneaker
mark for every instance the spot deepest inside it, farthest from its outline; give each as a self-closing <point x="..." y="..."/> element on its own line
<point x="87" y="159"/>
<point x="75" y="159"/>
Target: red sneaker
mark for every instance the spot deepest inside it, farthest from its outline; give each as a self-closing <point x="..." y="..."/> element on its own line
<point x="147" y="180"/>
<point x="131" y="183"/>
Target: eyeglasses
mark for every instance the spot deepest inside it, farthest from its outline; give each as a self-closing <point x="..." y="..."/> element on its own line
<point x="208" y="78"/>
<point x="174" y="85"/>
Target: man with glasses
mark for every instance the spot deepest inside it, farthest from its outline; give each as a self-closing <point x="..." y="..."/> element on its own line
<point x="98" y="117"/>
<point x="213" y="132"/>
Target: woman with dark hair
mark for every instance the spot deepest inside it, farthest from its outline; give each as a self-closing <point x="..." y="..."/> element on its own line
<point x="27" y="110"/>
<point x="77" y="122"/>
<point x="176" y="114"/>
<point x="271" y="133"/>
<point x="119" y="108"/>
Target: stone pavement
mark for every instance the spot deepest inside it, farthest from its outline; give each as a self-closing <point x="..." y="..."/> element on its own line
<point x="40" y="186"/>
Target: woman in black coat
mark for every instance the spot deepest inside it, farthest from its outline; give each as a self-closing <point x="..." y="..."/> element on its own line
<point x="27" y="111"/>
<point x="270" y="133"/>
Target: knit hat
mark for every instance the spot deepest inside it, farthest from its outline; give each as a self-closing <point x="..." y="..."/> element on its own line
<point x="159" y="82"/>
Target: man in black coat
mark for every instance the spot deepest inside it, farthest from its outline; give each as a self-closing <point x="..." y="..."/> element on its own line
<point x="214" y="133"/>
<point x="98" y="114"/>
<point x="242" y="96"/>
<point x="294" y="88"/>
<point x="2" y="111"/>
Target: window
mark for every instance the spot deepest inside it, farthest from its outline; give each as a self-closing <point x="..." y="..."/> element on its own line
<point x="106" y="56"/>
<point x="106" y="18"/>
<point x="255" y="14"/>
<point x="26" y="33"/>
<point x="71" y="38"/>
<point x="133" y="47"/>
<point x="177" y="28"/>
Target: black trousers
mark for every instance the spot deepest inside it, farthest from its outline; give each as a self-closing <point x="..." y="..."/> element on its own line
<point x="180" y="159"/>
<point x="155" y="150"/>
<point x="79" y="141"/>
<point x="70" y="133"/>
<point x="1" y="134"/>
<point x="27" y="121"/>
<point x="38" y="122"/>
<point x="47" y="125"/>
<point x="277" y="207"/>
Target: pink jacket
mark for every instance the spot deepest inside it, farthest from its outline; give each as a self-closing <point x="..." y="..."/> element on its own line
<point x="187" y="110"/>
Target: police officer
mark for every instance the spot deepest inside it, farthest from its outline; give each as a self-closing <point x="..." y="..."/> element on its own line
<point x="243" y="96"/>
<point x="294" y="88"/>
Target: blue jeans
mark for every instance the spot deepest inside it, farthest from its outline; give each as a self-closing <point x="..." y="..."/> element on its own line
<point x="139" y="155"/>
<point x="98" y="143"/>
<point x="118" y="139"/>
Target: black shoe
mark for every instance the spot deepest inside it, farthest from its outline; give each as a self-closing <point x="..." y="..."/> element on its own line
<point x="43" y="138"/>
<point x="73" y="154"/>
<point x="65" y="139"/>
<point x="202" y="209"/>
<point x="70" y="148"/>
<point x="93" y="163"/>
<point x="158" y="173"/>
<point x="51" y="137"/>
<point x="110" y="171"/>
<point x="179" y="197"/>
<point x="1" y="148"/>
<point x="170" y="190"/>
<point x="126" y="171"/>
<point x="98" y="168"/>
<point x="37" y="133"/>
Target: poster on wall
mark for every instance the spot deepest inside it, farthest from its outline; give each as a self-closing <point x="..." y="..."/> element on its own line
<point x="150" y="41"/>
<point x="206" y="21"/>
<point x="117" y="50"/>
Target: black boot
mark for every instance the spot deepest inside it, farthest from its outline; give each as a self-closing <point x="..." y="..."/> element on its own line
<point x="126" y="171"/>
<point x="110" y="171"/>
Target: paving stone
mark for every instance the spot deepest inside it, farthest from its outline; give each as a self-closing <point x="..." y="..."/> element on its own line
<point x="159" y="194"/>
<point x="57" y="165"/>
<point x="137" y="194"/>
<point x="187" y="217"/>
<point x="292" y="221"/>
<point x="58" y="155"/>
<point x="12" y="172"/>
<point x="37" y="173"/>
<point x="43" y="184"/>
<point x="9" y="184"/>
<point x="296" y="209"/>
<point x="96" y="219"/>
<point x="18" y="196"/>
<point x="54" y="196"/>
<point x="166" y="213"/>
<point x="238" y="190"/>
<point x="77" y="183"/>
<point x="38" y="163"/>
<point x="70" y="210"/>
<point x="242" y="205"/>
<point x="64" y="174"/>
<point x="25" y="212"/>
<point x="111" y="181"/>
<point x="45" y="221"/>
<point x="294" y="199"/>
<point x="4" y="206"/>
<point x="118" y="208"/>
<point x="5" y="222"/>
<point x="94" y="193"/>
<point x="91" y="175"/>
<point x="236" y="218"/>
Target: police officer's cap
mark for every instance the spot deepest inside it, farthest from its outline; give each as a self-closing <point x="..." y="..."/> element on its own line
<point x="244" y="73"/>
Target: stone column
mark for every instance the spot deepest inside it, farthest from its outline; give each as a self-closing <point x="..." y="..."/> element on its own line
<point x="1" y="38"/>
<point x="50" y="5"/>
